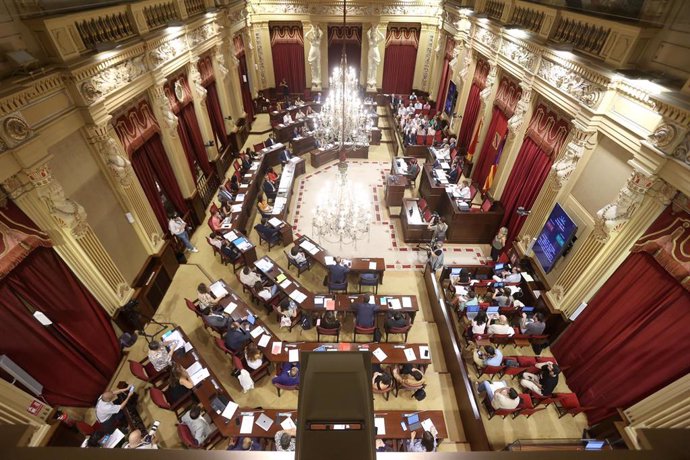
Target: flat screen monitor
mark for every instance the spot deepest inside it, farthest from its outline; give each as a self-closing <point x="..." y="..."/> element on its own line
<point x="451" y="98"/>
<point x="557" y="233"/>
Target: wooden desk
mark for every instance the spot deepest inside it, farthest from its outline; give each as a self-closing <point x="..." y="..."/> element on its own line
<point x="344" y="303"/>
<point x="283" y="133"/>
<point x="285" y="231"/>
<point x="375" y="136"/>
<point x="271" y="155"/>
<point x="392" y="422"/>
<point x="417" y="151"/>
<point x="395" y="352"/>
<point x="303" y="144"/>
<point x="395" y="190"/>
<point x="321" y="156"/>
<point x="277" y="116"/>
<point x="429" y="190"/>
<point x="415" y="230"/>
<point x="208" y="388"/>
<point x="359" y="264"/>
<point x="275" y="271"/>
<point x="248" y="253"/>
<point x="473" y="226"/>
<point x="249" y="187"/>
<point x="293" y="169"/>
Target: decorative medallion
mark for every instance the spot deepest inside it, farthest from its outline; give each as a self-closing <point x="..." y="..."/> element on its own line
<point x="179" y="91"/>
<point x="663" y="135"/>
<point x="16" y="128"/>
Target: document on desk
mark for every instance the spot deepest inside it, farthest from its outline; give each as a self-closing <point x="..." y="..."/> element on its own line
<point x="318" y="300"/>
<point x="174" y="336"/>
<point x="372" y="265"/>
<point x="218" y="290"/>
<point x="307" y="245"/>
<point x="114" y="439"/>
<point x="298" y="296"/>
<point x="236" y="207"/>
<point x="275" y="222"/>
<point x="194" y="368"/>
<point x="248" y="175"/>
<point x="380" y="355"/>
<point x="527" y="277"/>
<point x="263" y="341"/>
<point x="243" y="186"/>
<point x="407" y="302"/>
<point x="394" y="304"/>
<point x="329" y="260"/>
<point x="229" y="410"/>
<point x="188" y="347"/>
<point x="199" y="376"/>
<point x="230" y="308"/>
<point x="257" y="331"/>
<point x="428" y="425"/>
<point x="285" y="283"/>
<point x="247" y="424"/>
<point x="288" y="424"/>
<point x="330" y="304"/>
<point x="231" y="236"/>
<point x="255" y="166"/>
<point x="264" y="421"/>
<point x="263" y="264"/>
<point x="239" y="198"/>
<point x="293" y="355"/>
<point x="277" y="348"/>
<point x="409" y="354"/>
<point x="380" y="424"/>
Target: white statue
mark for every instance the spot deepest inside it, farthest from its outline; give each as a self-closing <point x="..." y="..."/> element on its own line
<point x="314" y="36"/>
<point x="374" y="58"/>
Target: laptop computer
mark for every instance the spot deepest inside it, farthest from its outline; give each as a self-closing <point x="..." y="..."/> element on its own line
<point x="413" y="422"/>
<point x="471" y="311"/>
<point x="492" y="310"/>
<point x="251" y="319"/>
<point x="219" y="402"/>
<point x="527" y="309"/>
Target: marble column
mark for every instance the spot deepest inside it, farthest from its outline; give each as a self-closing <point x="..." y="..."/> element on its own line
<point x="617" y="226"/>
<point x="199" y="99"/>
<point x="171" y="141"/>
<point x="486" y="97"/>
<point x="113" y="161"/>
<point x="463" y="64"/>
<point x="222" y="74"/>
<point x="43" y="199"/>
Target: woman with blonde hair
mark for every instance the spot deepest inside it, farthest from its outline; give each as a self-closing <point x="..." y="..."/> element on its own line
<point x="498" y="243"/>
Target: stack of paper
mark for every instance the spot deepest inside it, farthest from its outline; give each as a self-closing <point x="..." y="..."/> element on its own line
<point x="293" y="355"/>
<point x="230" y="308"/>
<point x="329" y="260"/>
<point x="218" y="289"/>
<point x="428" y="425"/>
<point x="277" y="348"/>
<point x="318" y="300"/>
<point x="527" y="277"/>
<point x="407" y="302"/>
<point x="288" y="424"/>
<point x="286" y="282"/>
<point x="264" y="340"/>
<point x="199" y="376"/>
<point x="231" y="236"/>
<point x="394" y="303"/>
<point x="247" y="424"/>
<point x="239" y="198"/>
<point x="372" y="265"/>
<point x="275" y="222"/>
<point x="264" y="264"/>
<point x="188" y="347"/>
<point x="297" y="296"/>
<point x="307" y="245"/>
<point x="257" y="331"/>
<point x="236" y="207"/>
<point x="114" y="439"/>
<point x="174" y="336"/>
<point x="423" y="352"/>
<point x="409" y="354"/>
<point x="229" y="410"/>
<point x="380" y="355"/>
<point x="380" y="424"/>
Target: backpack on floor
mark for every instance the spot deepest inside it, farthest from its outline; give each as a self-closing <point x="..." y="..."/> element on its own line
<point x="419" y="395"/>
<point x="307" y="322"/>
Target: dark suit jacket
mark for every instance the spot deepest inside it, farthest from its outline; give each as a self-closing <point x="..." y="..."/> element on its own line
<point x="364" y="313"/>
<point x="338" y="273"/>
<point x="284" y="156"/>
<point x="269" y="142"/>
<point x="217" y="320"/>
<point x="236" y="338"/>
<point x="391" y="322"/>
<point x="269" y="188"/>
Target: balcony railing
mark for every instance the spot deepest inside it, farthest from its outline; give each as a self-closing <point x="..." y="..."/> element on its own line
<point x="113" y="27"/>
<point x="160" y="14"/>
<point x="582" y="34"/>
<point x="494" y="9"/>
<point x="194" y="7"/>
<point x="528" y="18"/>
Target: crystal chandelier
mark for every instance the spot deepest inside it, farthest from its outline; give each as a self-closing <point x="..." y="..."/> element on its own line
<point x="343" y="213"/>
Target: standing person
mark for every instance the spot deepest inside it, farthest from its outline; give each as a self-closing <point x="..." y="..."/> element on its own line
<point x="178" y="227"/>
<point x="498" y="243"/>
<point x="436" y="258"/>
<point x="439" y="227"/>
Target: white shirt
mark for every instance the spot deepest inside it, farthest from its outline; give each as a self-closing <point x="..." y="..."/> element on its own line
<point x="176" y="226"/>
<point x="287" y="119"/>
<point x="501" y="329"/>
<point x="254" y="364"/>
<point x="299" y="258"/>
<point x="513" y="278"/>
<point x="105" y="410"/>
<point x="250" y="279"/>
<point x="199" y="427"/>
<point x="465" y="193"/>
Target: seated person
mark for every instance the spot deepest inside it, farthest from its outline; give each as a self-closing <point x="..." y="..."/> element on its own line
<point x="266" y="292"/>
<point x="285" y="440"/>
<point x="197" y="424"/>
<point x="288" y="308"/>
<point x="295" y="132"/>
<point x="224" y="195"/>
<point x="262" y="204"/>
<point x="513" y="276"/>
<point x="297" y="255"/>
<point x="270" y="188"/>
<point x="489" y="357"/>
<point x="426" y="444"/>
<point x="160" y="354"/>
<point x="270" y="141"/>
<point x="464" y="191"/>
<point x="380" y="380"/>
<point x="337" y="273"/>
<point x="299" y="115"/>
<point x="137" y="441"/>
<point x="253" y="356"/>
<point x="267" y="232"/>
<point x="545" y="382"/>
<point x="396" y="320"/>
<point x="224" y="246"/>
<point x="205" y="296"/>
<point x="216" y="222"/>
<point x="409" y="376"/>
<point x="289" y="375"/>
<point x="534" y="325"/>
<point x="500" y="395"/>
<point x="309" y="110"/>
<point x="225" y="209"/>
<point x="317" y="99"/>
<point x="285" y="156"/>
<point x="234" y="185"/>
<point x="271" y="174"/>
<point x="454" y="175"/>
<point x="412" y="169"/>
<point x="246" y="161"/>
<point x="109" y="407"/>
<point x="365" y="314"/>
<point x="244" y="443"/>
<point x="500" y="326"/>
<point x="214" y="317"/>
<point x="479" y="323"/>
<point x="462" y="301"/>
<point x="501" y="297"/>
<point x="287" y="119"/>
<point x="179" y="383"/>
<point x="439" y="227"/>
<point x="426" y="106"/>
<point x="330" y="321"/>
<point x="249" y="277"/>
<point x="236" y="337"/>
<point x="299" y="101"/>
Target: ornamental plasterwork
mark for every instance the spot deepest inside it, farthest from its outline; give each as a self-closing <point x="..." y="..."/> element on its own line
<point x="562" y="169"/>
<point x="585" y="91"/>
<point x="118" y="165"/>
<point x="523" y="104"/>
<point x="163" y="104"/>
<point x="487" y="38"/>
<point x="374" y="9"/>
<point x="167" y="51"/>
<point x="663" y="136"/>
<point x="427" y="59"/>
<point x="260" y="56"/>
<point x="201" y="34"/>
<point x="195" y="77"/>
<point x="113" y="78"/>
<point x="14" y="130"/>
<point x="33" y="90"/>
<point x="682" y="151"/>
<point x="519" y="55"/>
<point x="220" y="62"/>
<point x="17" y="185"/>
<point x="490" y="79"/>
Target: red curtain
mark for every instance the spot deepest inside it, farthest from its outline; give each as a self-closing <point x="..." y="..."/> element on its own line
<point x="492" y="142"/>
<point x="351" y="37"/>
<point x="19" y="236"/>
<point x="469" y="119"/>
<point x="215" y="115"/>
<point x="443" y="87"/>
<point x="529" y="173"/>
<point x="192" y="140"/>
<point x="247" y="102"/>
<point x="151" y="165"/>
<point x="287" y="47"/>
<point x="76" y="356"/>
<point x="398" y="69"/>
<point x="630" y="341"/>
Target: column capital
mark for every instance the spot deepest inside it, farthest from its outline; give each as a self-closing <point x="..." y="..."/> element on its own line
<point x="485" y="94"/>
<point x="195" y="78"/>
<point x="103" y="138"/>
<point x="582" y="139"/>
<point x="219" y="57"/>
<point x="17" y="185"/>
<point x="162" y="105"/>
<point x="515" y="122"/>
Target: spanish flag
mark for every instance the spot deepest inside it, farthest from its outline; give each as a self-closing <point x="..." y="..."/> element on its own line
<point x="475" y="140"/>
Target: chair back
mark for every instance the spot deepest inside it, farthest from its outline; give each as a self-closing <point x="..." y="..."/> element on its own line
<point x="501" y="339"/>
<point x="137" y="369"/>
<point x="286" y="387"/>
<point x="429" y="140"/>
<point x="326" y="331"/>
<point x="400" y="330"/>
<point x="365" y="330"/>
<point x="258" y="147"/>
<point x="420" y="139"/>
<point x="237" y="362"/>
<point x="186" y="436"/>
<point x="421" y="204"/>
<point x="221" y="344"/>
<point x="159" y="399"/>
<point x="192" y="307"/>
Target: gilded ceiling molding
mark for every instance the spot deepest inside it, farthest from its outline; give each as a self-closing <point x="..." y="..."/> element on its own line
<point x="31" y="90"/>
<point x="572" y="83"/>
<point x="304" y="7"/>
<point x="112" y="78"/>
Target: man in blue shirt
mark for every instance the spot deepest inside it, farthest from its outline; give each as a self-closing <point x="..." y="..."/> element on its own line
<point x="337" y="273"/>
<point x="236" y="337"/>
<point x="364" y="313"/>
<point x="489" y="357"/>
<point x="289" y="375"/>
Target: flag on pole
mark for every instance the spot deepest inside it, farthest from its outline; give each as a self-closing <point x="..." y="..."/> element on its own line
<point x="475" y="140"/>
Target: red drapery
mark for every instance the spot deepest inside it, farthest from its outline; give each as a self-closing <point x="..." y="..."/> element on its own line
<point x="351" y="37"/>
<point x="76" y="356"/>
<point x="630" y="341"/>
<point x="492" y="142"/>
<point x="445" y="75"/>
<point x="287" y="47"/>
<point x="215" y="115"/>
<point x="247" y="102"/>
<point x="469" y="118"/>
<point x="399" y="61"/>
<point x="192" y="140"/>
<point x="545" y="136"/>
<point x="152" y="167"/>
<point x="18" y="237"/>
<point x="136" y="126"/>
